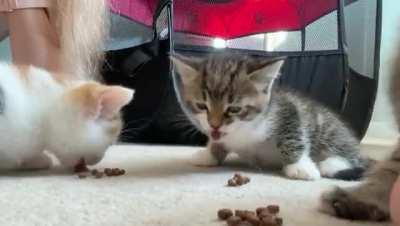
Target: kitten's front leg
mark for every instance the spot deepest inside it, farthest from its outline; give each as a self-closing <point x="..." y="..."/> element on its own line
<point x="297" y="162"/>
<point x="214" y="155"/>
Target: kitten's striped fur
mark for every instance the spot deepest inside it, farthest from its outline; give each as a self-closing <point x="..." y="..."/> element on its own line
<point x="232" y="99"/>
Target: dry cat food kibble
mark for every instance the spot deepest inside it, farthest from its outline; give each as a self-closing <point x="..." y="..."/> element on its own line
<point x="114" y="172"/>
<point x="263" y="216"/>
<point x="224" y="214"/>
<point x="82" y="171"/>
<point x="81" y="166"/>
<point x="238" y="180"/>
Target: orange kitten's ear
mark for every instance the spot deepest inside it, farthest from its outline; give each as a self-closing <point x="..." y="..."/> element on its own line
<point x="112" y="99"/>
<point x="99" y="101"/>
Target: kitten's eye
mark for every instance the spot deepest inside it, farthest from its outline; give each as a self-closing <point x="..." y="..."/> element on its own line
<point x="202" y="106"/>
<point x="233" y="110"/>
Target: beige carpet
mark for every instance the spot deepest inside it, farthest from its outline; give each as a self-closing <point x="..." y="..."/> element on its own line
<point x="160" y="188"/>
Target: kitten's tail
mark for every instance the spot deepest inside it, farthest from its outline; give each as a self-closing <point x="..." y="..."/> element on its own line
<point x="82" y="26"/>
<point x="355" y="173"/>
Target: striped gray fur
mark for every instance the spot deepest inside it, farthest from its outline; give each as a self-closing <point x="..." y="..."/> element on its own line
<point x="216" y="86"/>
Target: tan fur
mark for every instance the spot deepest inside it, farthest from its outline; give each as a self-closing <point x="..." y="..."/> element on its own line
<point x="23" y="71"/>
<point x="86" y="97"/>
<point x="82" y="26"/>
<point x="370" y="200"/>
<point x="216" y="115"/>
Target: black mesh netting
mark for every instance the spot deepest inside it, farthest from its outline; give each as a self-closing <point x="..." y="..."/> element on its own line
<point x="321" y="40"/>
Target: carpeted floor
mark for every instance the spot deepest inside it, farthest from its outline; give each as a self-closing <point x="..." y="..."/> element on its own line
<point x="160" y="188"/>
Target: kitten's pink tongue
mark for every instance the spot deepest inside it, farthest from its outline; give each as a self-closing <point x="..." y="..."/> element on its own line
<point x="215" y="134"/>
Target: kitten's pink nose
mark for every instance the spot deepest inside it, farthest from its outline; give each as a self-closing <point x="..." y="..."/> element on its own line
<point x="215" y="127"/>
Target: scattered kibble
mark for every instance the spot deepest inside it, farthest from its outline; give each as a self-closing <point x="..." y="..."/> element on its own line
<point x="94" y="172"/>
<point x="238" y="180"/>
<point x="99" y="175"/>
<point x="83" y="171"/>
<point x="273" y="209"/>
<point x="224" y="214"/>
<point x="262" y="216"/>
<point x="107" y="171"/>
<point x="233" y="221"/>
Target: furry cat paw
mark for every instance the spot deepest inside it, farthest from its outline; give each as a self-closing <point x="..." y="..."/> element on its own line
<point x="41" y="161"/>
<point x="339" y="203"/>
<point x="303" y="170"/>
<point x="204" y="158"/>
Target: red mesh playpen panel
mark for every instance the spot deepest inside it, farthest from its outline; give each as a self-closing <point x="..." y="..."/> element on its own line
<point x="230" y="19"/>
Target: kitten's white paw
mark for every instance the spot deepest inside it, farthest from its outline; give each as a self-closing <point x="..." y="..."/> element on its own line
<point x="41" y="161"/>
<point x="204" y="158"/>
<point x="330" y="166"/>
<point x="304" y="169"/>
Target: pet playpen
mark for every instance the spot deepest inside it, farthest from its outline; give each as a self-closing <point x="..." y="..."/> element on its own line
<point x="332" y="49"/>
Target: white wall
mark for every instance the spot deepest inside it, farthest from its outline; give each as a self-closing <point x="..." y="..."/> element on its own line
<point x="382" y="126"/>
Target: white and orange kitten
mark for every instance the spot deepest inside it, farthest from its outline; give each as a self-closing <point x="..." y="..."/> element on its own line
<point x="72" y="120"/>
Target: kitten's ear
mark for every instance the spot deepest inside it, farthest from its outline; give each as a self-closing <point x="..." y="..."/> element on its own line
<point x="262" y="71"/>
<point x="187" y="67"/>
<point x="97" y="101"/>
<point x="112" y="99"/>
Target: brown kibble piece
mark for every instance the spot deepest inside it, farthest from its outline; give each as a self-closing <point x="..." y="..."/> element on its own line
<point x="244" y="223"/>
<point x="259" y="210"/>
<point x="253" y="219"/>
<point x="249" y="214"/>
<point x="238" y="180"/>
<point x="268" y="221"/>
<point x="233" y="221"/>
<point x="81" y="166"/>
<point x="232" y="183"/>
<point x="122" y="172"/>
<point x="115" y="172"/>
<point x="99" y="175"/>
<point x="246" y="180"/>
<point x="274" y="209"/>
<point x="94" y="172"/>
<point x="264" y="213"/>
<point x="240" y="213"/>
<point x="224" y="214"/>
<point x="108" y="171"/>
<point x="279" y="221"/>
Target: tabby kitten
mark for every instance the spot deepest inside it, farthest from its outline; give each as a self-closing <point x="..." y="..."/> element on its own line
<point x="232" y="99"/>
<point x="370" y="200"/>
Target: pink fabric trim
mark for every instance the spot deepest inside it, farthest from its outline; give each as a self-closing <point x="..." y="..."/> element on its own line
<point x="10" y="5"/>
<point x="140" y="11"/>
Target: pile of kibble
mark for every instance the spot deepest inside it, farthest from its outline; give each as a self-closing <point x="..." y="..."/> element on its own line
<point x="263" y="216"/>
<point x="83" y="171"/>
<point x="238" y="180"/>
<point x="99" y="174"/>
